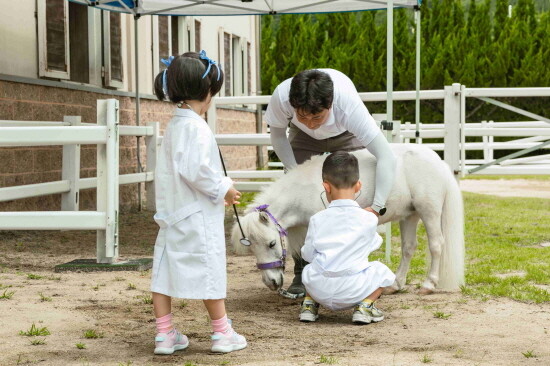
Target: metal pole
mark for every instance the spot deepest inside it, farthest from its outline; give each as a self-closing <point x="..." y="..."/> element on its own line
<point x="417" y="106"/>
<point x="389" y="62"/>
<point x="136" y="66"/>
<point x="259" y="148"/>
<point x="389" y="101"/>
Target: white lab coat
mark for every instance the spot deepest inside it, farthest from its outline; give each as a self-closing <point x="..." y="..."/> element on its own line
<point x="189" y="260"/>
<point x="338" y="243"/>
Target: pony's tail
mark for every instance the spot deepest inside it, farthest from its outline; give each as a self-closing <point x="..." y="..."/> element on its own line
<point x="451" y="266"/>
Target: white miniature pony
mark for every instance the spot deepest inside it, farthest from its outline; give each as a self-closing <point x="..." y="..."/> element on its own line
<point x="424" y="189"/>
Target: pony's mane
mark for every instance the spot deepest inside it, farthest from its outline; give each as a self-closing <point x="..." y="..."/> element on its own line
<point x="296" y="177"/>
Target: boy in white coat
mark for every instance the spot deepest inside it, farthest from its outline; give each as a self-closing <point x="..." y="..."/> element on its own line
<point x="338" y="243"/>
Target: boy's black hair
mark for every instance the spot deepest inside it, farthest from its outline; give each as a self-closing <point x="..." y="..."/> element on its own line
<point x="184" y="79"/>
<point x="341" y="169"/>
<point x="311" y="91"/>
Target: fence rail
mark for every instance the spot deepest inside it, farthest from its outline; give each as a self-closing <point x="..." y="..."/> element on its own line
<point x="71" y="132"/>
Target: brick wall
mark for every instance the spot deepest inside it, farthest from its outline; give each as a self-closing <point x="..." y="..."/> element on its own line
<point x="29" y="165"/>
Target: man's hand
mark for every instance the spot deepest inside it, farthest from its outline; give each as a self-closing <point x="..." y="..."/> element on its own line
<point x="370" y="209"/>
<point x="232" y="197"/>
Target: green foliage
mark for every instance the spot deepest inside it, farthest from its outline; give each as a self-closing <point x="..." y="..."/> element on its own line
<point x="504" y="257"/>
<point x="7" y="295"/>
<point x="472" y="42"/>
<point x="329" y="360"/>
<point x="92" y="334"/>
<point x="35" y="331"/>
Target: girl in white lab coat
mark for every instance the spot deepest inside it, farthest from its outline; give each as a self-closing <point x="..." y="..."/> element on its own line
<point x="338" y="243"/>
<point x="189" y="258"/>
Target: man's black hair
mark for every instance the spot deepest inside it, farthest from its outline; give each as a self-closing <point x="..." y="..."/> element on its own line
<point x="341" y="169"/>
<point x="311" y="91"/>
<point x="184" y="79"/>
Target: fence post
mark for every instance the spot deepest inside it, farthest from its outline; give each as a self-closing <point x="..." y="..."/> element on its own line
<point x="71" y="170"/>
<point x="151" y="143"/>
<point x="107" y="181"/>
<point x="452" y="128"/>
<point x="211" y="116"/>
<point x="491" y="140"/>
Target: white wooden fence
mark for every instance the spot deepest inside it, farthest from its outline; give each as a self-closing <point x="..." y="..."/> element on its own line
<point x="72" y="132"/>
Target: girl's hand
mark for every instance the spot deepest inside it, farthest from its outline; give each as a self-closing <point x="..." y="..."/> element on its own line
<point x="232" y="197"/>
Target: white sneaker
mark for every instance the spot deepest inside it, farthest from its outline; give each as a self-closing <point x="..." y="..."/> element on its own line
<point x="309" y="312"/>
<point x="227" y="342"/>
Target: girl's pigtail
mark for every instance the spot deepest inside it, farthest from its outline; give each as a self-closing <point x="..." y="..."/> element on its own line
<point x="159" y="90"/>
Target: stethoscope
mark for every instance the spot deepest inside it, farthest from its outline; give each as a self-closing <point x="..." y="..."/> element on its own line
<point x="243" y="240"/>
<point x="323" y="201"/>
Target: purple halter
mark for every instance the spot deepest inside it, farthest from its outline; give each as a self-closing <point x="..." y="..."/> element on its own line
<point x="282" y="234"/>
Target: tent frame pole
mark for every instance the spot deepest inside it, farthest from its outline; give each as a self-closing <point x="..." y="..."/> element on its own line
<point x="417" y="105"/>
<point x="136" y="67"/>
<point x="389" y="100"/>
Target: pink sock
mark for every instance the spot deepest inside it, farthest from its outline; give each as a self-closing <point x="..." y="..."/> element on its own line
<point x="164" y="323"/>
<point x="221" y="325"/>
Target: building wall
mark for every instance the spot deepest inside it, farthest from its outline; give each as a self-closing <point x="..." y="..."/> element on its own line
<point x="50" y="100"/>
<point x="19" y="43"/>
<point x="30" y="165"/>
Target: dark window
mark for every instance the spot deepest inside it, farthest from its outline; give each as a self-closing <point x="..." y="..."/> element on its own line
<point x="55" y="35"/>
<point x="197" y="36"/>
<point x="163" y="37"/>
<point x="116" y="46"/>
<point x="78" y="42"/>
<point x="249" y="63"/>
<point x="175" y="36"/>
<point x="227" y="63"/>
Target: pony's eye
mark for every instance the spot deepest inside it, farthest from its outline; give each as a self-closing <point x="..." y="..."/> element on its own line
<point x="272" y="243"/>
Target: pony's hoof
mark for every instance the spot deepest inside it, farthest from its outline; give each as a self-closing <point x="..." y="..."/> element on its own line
<point x="425" y="291"/>
<point x="389" y="290"/>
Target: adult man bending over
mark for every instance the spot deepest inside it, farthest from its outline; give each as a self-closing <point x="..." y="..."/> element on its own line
<point x="326" y="114"/>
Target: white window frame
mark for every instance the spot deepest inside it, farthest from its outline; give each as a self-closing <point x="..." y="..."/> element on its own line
<point x="107" y="80"/>
<point x="43" y="70"/>
<point x="239" y="67"/>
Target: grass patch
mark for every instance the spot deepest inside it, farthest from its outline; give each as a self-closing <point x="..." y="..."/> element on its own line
<point x="329" y="360"/>
<point x="92" y="334"/>
<point x="44" y="298"/>
<point x="80" y="346"/>
<point x="35" y="331"/>
<point x="529" y="354"/>
<point x="246" y="199"/>
<point x="38" y="342"/>
<point x="7" y="295"/>
<point x="131" y="286"/>
<point x="500" y="239"/>
<point x="189" y="363"/>
<point x="32" y="276"/>
<point x="441" y="315"/>
<point x="145" y="299"/>
<point x="507" y="177"/>
<point x="426" y="359"/>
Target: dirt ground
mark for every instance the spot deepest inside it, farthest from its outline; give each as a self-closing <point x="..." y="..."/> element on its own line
<point x="507" y="187"/>
<point x="115" y="304"/>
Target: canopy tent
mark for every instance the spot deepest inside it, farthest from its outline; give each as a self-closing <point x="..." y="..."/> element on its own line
<point x="139" y="8"/>
<point x="243" y="7"/>
<point x="268" y="7"/>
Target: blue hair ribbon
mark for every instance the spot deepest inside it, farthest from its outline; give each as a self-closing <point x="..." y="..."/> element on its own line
<point x="167" y="63"/>
<point x="211" y="62"/>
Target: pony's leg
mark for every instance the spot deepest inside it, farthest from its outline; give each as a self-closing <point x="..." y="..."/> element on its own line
<point x="432" y="222"/>
<point x="408" y="246"/>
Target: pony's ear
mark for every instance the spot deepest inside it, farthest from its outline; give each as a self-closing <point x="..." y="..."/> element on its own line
<point x="264" y="219"/>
